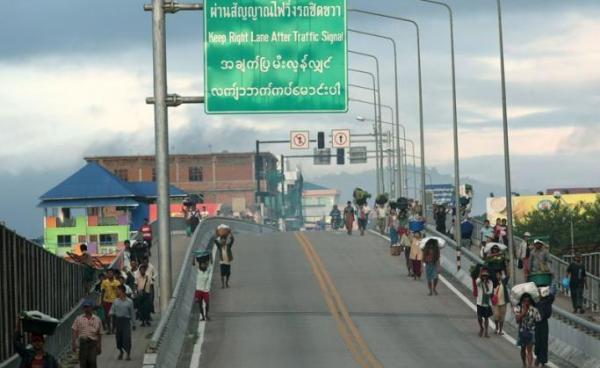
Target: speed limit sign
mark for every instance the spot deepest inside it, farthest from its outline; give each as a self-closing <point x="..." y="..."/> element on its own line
<point x="299" y="139"/>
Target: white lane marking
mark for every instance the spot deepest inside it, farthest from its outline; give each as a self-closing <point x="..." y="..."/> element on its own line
<point x="468" y="302"/>
<point x="197" y="352"/>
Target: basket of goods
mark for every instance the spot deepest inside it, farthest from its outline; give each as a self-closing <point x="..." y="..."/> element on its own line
<point x="402" y="203"/>
<point x="416" y="224"/>
<point x="517" y="292"/>
<point x="540" y="278"/>
<point x="396" y="250"/>
<point x="360" y="196"/>
<point x="36" y="322"/>
<point x="223" y="231"/>
<point x="441" y="243"/>
<point x="382" y="199"/>
<point x="202" y="255"/>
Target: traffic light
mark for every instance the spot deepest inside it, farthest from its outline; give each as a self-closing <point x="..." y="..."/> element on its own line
<point x="321" y="140"/>
<point x="340" y="156"/>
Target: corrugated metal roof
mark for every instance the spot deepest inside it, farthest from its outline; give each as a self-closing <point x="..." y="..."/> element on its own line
<point x="91" y="181"/>
<point x="95" y="182"/>
<point x="85" y="203"/>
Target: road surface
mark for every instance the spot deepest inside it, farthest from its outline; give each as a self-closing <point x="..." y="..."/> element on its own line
<point x="325" y="299"/>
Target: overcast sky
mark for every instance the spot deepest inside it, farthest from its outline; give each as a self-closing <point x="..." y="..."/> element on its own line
<point x="74" y="75"/>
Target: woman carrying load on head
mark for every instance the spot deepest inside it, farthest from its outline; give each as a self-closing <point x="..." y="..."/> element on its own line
<point x="224" y="241"/>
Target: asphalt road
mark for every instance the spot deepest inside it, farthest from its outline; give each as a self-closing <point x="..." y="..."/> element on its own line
<point x="329" y="300"/>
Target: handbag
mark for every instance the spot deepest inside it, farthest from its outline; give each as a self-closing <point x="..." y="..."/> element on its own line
<point x="520" y="264"/>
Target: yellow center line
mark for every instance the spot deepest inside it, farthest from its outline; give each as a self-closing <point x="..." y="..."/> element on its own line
<point x="339" y="303"/>
<point x="342" y="328"/>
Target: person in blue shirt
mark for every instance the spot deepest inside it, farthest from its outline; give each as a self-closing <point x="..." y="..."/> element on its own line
<point x="466" y="231"/>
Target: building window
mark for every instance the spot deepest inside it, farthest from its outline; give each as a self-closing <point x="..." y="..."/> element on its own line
<point x="108" y="239"/>
<point x="93" y="238"/>
<point x="63" y="240"/>
<point x="195" y="174"/>
<point x="122" y="173"/>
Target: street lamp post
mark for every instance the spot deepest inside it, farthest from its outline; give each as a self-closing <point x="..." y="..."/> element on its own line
<point x="380" y="145"/>
<point x="376" y="116"/>
<point x="507" y="180"/>
<point x="398" y="180"/>
<point x="421" y="126"/>
<point x="457" y="234"/>
<point x="404" y="163"/>
<point x="159" y="51"/>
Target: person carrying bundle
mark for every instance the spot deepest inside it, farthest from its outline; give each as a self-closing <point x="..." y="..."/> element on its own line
<point x="224" y="242"/>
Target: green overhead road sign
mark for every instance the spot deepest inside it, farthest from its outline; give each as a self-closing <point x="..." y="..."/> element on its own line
<point x="275" y="56"/>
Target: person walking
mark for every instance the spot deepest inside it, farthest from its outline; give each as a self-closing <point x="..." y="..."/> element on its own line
<point x="484" y="304"/>
<point x="577" y="282"/>
<point x="500" y="301"/>
<point x="143" y="284"/>
<point x="431" y="258"/>
<point x="542" y="332"/>
<point x="36" y="356"/>
<point x="392" y="225"/>
<point x="486" y="234"/>
<point x="108" y="289"/>
<point x="523" y="250"/>
<point x="416" y="256"/>
<point x="123" y="317"/>
<point x="146" y="231"/>
<point x="527" y="316"/>
<point x="202" y="295"/>
<point x="363" y="218"/>
<point x="539" y="258"/>
<point x="405" y="243"/>
<point x="224" y="243"/>
<point x="335" y="217"/>
<point x="439" y="215"/>
<point x="349" y="217"/>
<point x="87" y="331"/>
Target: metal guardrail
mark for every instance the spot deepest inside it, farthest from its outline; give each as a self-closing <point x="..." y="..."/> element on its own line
<point x="25" y="284"/>
<point x="591" y="262"/>
<point x="167" y="340"/>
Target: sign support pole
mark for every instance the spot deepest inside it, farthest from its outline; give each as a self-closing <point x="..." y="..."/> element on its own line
<point x="159" y="53"/>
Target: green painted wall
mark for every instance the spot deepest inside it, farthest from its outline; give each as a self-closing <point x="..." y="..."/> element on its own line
<point x="81" y="228"/>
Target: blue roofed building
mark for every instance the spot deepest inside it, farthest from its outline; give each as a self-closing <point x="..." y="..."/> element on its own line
<point x="96" y="207"/>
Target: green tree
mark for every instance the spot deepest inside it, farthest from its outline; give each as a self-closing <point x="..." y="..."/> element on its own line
<point x="555" y="223"/>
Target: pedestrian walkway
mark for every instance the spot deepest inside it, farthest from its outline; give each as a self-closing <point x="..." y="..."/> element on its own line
<point x="141" y="336"/>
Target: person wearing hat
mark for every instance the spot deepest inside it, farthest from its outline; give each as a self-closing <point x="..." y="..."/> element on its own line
<point x="35" y="356"/>
<point x="522" y="251"/>
<point x="484" y="302"/>
<point x="87" y="330"/>
<point x="539" y="258"/>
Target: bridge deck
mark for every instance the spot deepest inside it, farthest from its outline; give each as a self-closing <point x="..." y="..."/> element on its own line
<point x="275" y="314"/>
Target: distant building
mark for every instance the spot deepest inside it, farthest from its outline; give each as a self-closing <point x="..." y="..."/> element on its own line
<point x="96" y="207"/>
<point x="317" y="202"/>
<point x="567" y="190"/>
<point x="228" y="179"/>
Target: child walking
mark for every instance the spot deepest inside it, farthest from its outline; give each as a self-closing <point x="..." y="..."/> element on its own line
<point x="202" y="290"/>
<point x="484" y="305"/>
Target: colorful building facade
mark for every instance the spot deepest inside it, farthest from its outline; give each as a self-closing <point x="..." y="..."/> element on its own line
<point x="96" y="207"/>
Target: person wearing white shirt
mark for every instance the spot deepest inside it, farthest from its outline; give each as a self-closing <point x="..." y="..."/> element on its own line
<point x="202" y="290"/>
